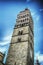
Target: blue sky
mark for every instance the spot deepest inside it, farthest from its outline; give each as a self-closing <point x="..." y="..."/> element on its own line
<point x="8" y="15"/>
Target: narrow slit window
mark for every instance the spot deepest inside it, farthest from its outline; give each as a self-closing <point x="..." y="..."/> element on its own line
<point x="19" y="39"/>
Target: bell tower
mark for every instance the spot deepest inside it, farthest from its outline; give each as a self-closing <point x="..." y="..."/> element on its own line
<point x="21" y="47"/>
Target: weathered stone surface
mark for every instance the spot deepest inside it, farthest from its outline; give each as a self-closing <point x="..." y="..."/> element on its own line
<point x="1" y="63"/>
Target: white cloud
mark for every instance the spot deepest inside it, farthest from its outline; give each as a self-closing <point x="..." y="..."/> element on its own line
<point x="39" y="56"/>
<point x="37" y="18"/>
<point x="4" y="45"/>
<point x="3" y="49"/>
<point x="33" y="13"/>
<point x="6" y="40"/>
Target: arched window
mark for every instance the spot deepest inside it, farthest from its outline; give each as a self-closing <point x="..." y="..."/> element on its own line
<point x="19" y="39"/>
<point x="20" y="32"/>
<point x="15" y="63"/>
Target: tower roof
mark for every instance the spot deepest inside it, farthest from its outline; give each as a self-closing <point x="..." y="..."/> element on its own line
<point x="26" y="9"/>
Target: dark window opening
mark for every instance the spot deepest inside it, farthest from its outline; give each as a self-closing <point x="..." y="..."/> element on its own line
<point x="22" y="25"/>
<point x="15" y="63"/>
<point x="19" y="39"/>
<point x="27" y="18"/>
<point x="20" y="32"/>
<point x="23" y="20"/>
